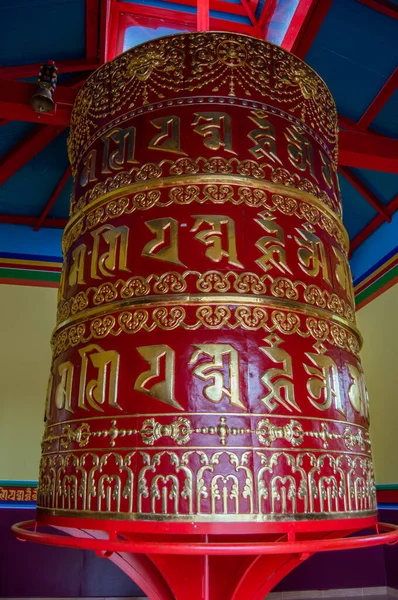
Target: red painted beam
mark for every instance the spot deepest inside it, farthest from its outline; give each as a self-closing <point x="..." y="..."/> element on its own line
<point x="220" y="5"/>
<point x="203" y="15"/>
<point x="368" y="151"/>
<point x="14" y="104"/>
<point x="266" y="16"/>
<point x="382" y="97"/>
<point x="147" y="14"/>
<point x="316" y="14"/>
<point x="369" y="196"/>
<point x="92" y="29"/>
<point x="248" y="11"/>
<point x="32" y="221"/>
<point x="386" y="8"/>
<point x="54" y="197"/>
<point x="64" y="66"/>
<point x="26" y="149"/>
<point x="104" y="26"/>
<point x="374" y="224"/>
<point x="304" y="8"/>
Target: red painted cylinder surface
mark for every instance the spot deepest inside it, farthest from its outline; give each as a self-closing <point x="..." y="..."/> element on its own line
<point x="206" y="367"/>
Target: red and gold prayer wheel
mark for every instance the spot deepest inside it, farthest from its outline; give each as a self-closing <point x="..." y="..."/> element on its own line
<point x="206" y="367"/>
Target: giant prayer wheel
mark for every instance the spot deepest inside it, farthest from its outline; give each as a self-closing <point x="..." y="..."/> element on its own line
<point x="205" y="375"/>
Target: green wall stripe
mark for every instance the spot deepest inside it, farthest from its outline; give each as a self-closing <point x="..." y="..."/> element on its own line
<point x="376" y="285"/>
<point x="29" y="274"/>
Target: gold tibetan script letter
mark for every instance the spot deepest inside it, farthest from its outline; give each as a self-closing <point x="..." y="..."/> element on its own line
<point x="103" y="388"/>
<point x="323" y="385"/>
<point x="124" y="153"/>
<point x="343" y="273"/>
<point x="219" y="385"/>
<point x="277" y="381"/>
<point x="213" y="237"/>
<point x="87" y="174"/>
<point x="167" y="251"/>
<point x="311" y="255"/>
<point x="162" y="390"/>
<point x="299" y="150"/>
<point x="47" y="412"/>
<point x="357" y="392"/>
<point x="76" y="271"/>
<point x="168" y="138"/>
<point x="216" y="130"/>
<point x="63" y="393"/>
<point x="272" y="246"/>
<point x="327" y="170"/>
<point x="264" y="138"/>
<point x="117" y="240"/>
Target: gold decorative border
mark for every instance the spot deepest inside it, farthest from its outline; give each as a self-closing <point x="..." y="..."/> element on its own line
<point x="181" y="429"/>
<point x="200" y="300"/>
<point x="207" y="518"/>
<point x="214" y="317"/>
<point x="172" y="282"/>
<point x="202" y="413"/>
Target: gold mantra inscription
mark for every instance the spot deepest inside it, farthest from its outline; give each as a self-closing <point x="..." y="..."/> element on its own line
<point x="109" y="251"/>
<point x="217" y="365"/>
<point x="213" y="372"/>
<point x="103" y="368"/>
<point x="117" y="149"/>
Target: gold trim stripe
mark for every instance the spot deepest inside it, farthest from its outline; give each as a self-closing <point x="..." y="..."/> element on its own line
<point x="206" y="517"/>
<point x="199" y="413"/>
<point x="203" y="179"/>
<point x="219" y="448"/>
<point x="213" y="299"/>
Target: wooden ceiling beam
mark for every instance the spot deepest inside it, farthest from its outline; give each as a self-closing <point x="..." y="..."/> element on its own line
<point x="26" y="149"/>
<point x="32" y="221"/>
<point x="14" y="104"/>
<point x="305" y="24"/>
<point x="368" y="151"/>
<point x="389" y="9"/>
<point x="365" y="192"/>
<point x="380" y="100"/>
<point x="63" y="66"/>
<point x="54" y="197"/>
<point x="146" y="15"/>
<point x="92" y="29"/>
<point x="203" y="15"/>
<point x="371" y="227"/>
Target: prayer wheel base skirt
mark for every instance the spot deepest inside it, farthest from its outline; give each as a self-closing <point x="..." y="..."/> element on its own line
<point x="206" y="422"/>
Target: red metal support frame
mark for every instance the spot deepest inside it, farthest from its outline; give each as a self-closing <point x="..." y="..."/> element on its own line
<point x="64" y="66"/>
<point x="14" y="104"/>
<point x="365" y="192"/>
<point x="306" y="33"/>
<point x="377" y="104"/>
<point x="304" y="8"/>
<point x="92" y="29"/>
<point x="249" y="12"/>
<point x="107" y="8"/>
<point x="32" y="221"/>
<point x="368" y="151"/>
<point x="266" y="16"/>
<point x="54" y="197"/>
<point x="26" y="149"/>
<point x="147" y="14"/>
<point x="374" y="224"/>
<point x="383" y="6"/>
<point x="203" y="15"/>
